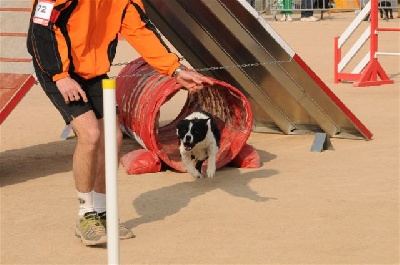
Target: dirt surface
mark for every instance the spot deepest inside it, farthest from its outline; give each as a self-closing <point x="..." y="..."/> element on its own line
<point x="300" y="207"/>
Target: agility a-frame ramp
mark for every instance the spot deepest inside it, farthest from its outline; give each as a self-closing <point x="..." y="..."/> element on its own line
<point x="16" y="69"/>
<point x="229" y="40"/>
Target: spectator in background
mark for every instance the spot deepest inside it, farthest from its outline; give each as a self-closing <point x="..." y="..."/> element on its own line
<point x="398" y="8"/>
<point x="252" y="3"/>
<point x="307" y="15"/>
<point x="286" y="14"/>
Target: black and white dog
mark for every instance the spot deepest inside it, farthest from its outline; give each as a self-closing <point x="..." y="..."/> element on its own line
<point x="199" y="139"/>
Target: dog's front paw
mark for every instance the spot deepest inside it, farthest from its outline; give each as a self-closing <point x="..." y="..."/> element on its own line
<point x="210" y="171"/>
<point x="198" y="175"/>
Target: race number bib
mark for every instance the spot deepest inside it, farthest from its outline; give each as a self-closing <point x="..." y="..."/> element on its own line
<point x="43" y="12"/>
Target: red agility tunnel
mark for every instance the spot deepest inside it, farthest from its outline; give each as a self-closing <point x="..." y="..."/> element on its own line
<point x="140" y="93"/>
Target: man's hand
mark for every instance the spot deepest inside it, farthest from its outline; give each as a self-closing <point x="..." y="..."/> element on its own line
<point x="71" y="90"/>
<point x="192" y="80"/>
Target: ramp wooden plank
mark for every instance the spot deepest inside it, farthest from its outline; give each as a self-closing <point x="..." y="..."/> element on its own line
<point x="15" y="60"/>
<point x="13" y="88"/>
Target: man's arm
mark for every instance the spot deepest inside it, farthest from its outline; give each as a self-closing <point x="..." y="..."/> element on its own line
<point x="45" y="41"/>
<point x="138" y="32"/>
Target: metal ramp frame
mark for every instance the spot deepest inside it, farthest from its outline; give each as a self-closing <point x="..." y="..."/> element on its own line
<point x="230" y="41"/>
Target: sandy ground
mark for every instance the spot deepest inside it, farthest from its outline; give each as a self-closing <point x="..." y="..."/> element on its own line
<point x="300" y="207"/>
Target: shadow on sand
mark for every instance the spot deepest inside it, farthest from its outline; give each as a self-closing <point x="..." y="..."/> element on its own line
<point x="20" y="165"/>
<point x="158" y="204"/>
<point x="36" y="161"/>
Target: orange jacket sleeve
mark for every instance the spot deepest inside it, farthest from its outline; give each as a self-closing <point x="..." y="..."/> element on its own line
<point x="137" y="31"/>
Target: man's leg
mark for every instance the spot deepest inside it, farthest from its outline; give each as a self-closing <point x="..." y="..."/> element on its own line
<point x="86" y="126"/>
<point x="100" y="184"/>
<point x="88" y="227"/>
<point x="99" y="195"/>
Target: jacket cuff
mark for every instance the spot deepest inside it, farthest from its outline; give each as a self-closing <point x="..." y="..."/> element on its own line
<point x="60" y="76"/>
<point x="173" y="68"/>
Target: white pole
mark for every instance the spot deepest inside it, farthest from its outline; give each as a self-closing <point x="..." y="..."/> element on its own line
<point x="111" y="167"/>
<point x="387" y="53"/>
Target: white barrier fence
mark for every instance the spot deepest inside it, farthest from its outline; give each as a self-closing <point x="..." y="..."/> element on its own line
<point x="368" y="72"/>
<point x="276" y="6"/>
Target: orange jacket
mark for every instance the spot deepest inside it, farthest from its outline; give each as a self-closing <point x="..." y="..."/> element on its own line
<point x="81" y="36"/>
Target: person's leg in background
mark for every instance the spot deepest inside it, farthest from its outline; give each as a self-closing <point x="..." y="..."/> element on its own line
<point x="307" y="15"/>
<point x="286" y="14"/>
<point x="252" y="3"/>
<point x="398" y="8"/>
<point x="280" y="7"/>
<point x="288" y="4"/>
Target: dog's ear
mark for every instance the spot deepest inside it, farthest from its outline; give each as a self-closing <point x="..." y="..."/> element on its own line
<point x="181" y="124"/>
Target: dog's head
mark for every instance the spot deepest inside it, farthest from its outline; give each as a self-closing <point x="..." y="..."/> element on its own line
<point x="191" y="132"/>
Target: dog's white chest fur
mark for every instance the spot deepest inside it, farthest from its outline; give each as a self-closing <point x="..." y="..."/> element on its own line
<point x="200" y="150"/>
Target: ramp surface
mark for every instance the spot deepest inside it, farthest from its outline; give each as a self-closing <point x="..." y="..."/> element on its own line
<point x="15" y="63"/>
<point x="229" y="40"/>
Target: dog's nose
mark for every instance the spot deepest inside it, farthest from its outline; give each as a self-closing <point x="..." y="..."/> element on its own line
<point x="188" y="138"/>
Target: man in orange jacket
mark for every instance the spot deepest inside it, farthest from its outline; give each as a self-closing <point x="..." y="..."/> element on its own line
<point x="72" y="44"/>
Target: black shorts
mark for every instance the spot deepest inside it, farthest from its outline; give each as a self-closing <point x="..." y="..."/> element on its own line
<point x="92" y="87"/>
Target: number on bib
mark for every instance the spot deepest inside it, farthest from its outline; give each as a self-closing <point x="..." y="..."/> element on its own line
<point x="43" y="12"/>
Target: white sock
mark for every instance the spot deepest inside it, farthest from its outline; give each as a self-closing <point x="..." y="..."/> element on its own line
<point x="99" y="202"/>
<point x="85" y="202"/>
